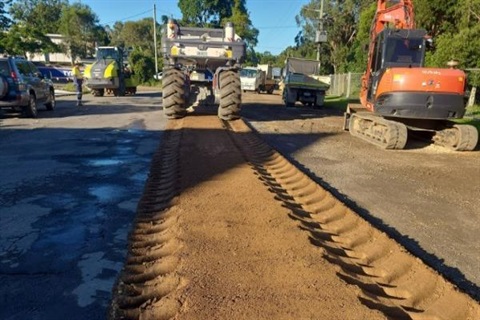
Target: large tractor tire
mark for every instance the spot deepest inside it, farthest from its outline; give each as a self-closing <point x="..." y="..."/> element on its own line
<point x="230" y="96"/>
<point x="173" y="93"/>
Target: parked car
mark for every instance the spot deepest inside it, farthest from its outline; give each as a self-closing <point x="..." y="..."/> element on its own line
<point x="22" y="86"/>
<point x="54" y="74"/>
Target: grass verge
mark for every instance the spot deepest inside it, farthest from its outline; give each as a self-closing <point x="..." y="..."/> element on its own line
<point x="339" y="103"/>
<point x="472" y="117"/>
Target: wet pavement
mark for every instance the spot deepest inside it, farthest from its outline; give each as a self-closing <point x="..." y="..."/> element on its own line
<point x="68" y="197"/>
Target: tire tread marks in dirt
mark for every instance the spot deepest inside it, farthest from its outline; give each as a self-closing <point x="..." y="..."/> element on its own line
<point x="173" y="93"/>
<point x="230" y="96"/>
<point x="149" y="276"/>
<point x="391" y="279"/>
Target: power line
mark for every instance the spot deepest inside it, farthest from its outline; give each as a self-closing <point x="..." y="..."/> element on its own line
<point x="127" y="18"/>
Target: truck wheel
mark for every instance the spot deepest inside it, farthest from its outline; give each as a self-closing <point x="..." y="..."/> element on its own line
<point x="50" y="105"/>
<point x="173" y="93"/>
<point x="98" y="92"/>
<point x="230" y="96"/>
<point x="286" y="100"/>
<point x="30" y="110"/>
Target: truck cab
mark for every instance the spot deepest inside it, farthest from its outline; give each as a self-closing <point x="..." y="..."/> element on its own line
<point x="250" y="79"/>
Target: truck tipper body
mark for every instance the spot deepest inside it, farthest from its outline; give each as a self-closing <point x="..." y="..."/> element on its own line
<point x="300" y="84"/>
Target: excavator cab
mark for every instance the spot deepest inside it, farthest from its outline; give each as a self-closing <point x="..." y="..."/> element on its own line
<point x="403" y="48"/>
<point x="396" y="48"/>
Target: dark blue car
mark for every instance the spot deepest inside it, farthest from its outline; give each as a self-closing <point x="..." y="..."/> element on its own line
<point x="56" y="75"/>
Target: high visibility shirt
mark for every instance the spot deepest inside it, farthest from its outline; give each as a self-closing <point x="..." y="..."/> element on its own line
<point x="76" y="73"/>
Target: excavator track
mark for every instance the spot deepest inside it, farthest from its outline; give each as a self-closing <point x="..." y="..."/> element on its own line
<point x="378" y="131"/>
<point x="461" y="137"/>
<point x="157" y="282"/>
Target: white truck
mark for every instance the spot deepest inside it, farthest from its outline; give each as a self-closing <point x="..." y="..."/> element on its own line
<point x="257" y="79"/>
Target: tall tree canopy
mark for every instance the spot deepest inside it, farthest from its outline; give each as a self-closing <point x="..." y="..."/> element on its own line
<point x="243" y="25"/>
<point x="80" y="27"/>
<point x="24" y="40"/>
<point x="340" y="20"/>
<point x="137" y="34"/>
<point x="32" y="20"/>
<point x="203" y="13"/>
<point x="4" y="19"/>
<point x="42" y="15"/>
<point x="4" y="23"/>
<point x="457" y="38"/>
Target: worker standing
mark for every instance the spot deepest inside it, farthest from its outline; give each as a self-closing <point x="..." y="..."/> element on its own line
<point x="78" y="81"/>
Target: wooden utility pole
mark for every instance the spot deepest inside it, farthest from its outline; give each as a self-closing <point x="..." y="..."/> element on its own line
<point x="155" y="37"/>
<point x="318" y="39"/>
<point x="321" y="34"/>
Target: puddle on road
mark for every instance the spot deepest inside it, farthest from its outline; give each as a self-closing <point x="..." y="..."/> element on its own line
<point x="107" y="193"/>
<point x="62" y="236"/>
<point x="140" y="177"/>
<point x="104" y="162"/>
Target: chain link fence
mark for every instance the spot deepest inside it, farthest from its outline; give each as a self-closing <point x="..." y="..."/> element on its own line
<point x="345" y="84"/>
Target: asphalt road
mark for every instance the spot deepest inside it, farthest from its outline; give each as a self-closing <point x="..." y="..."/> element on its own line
<point x="69" y="186"/>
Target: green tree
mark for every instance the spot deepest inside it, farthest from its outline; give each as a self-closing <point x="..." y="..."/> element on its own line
<point x="115" y="34"/>
<point x="340" y="21"/>
<point x="137" y="34"/>
<point x="205" y="13"/>
<point x="43" y="15"/>
<point x="242" y="23"/>
<point x="23" y="39"/>
<point x="358" y="55"/>
<point x="4" y="19"/>
<point x="33" y="19"/>
<point x="267" y="58"/>
<point x="4" y="23"/>
<point x="437" y="16"/>
<point x="462" y="42"/>
<point x="79" y="25"/>
<point x="143" y="64"/>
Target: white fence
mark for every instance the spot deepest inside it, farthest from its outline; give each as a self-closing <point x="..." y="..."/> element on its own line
<point x="345" y="84"/>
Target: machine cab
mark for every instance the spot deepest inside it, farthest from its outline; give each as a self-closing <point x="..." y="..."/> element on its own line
<point x="396" y="48"/>
<point x="113" y="53"/>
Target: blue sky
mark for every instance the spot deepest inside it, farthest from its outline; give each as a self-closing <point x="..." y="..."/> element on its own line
<point x="275" y="19"/>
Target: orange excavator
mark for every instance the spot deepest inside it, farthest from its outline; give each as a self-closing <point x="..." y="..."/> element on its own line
<point x="399" y="94"/>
